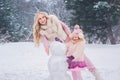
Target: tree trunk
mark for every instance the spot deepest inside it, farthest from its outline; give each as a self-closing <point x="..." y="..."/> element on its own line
<point x="110" y="34"/>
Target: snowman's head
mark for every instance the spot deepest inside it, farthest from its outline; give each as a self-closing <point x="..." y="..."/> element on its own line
<point x="57" y="48"/>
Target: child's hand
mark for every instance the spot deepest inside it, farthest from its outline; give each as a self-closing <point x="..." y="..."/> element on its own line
<point x="70" y="36"/>
<point x="75" y="59"/>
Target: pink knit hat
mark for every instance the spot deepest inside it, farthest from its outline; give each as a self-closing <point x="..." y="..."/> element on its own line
<point x="77" y="31"/>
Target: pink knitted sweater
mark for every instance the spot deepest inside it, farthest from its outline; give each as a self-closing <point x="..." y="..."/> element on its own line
<point x="76" y="49"/>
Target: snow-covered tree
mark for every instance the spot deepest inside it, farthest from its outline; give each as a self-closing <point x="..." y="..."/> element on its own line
<point x="17" y="16"/>
<point x="96" y="17"/>
<point x="5" y="20"/>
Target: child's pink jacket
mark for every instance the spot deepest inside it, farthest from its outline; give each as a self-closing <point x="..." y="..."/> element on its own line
<point x="76" y="50"/>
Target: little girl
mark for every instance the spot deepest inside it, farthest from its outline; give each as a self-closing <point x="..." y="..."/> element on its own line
<point x="76" y="57"/>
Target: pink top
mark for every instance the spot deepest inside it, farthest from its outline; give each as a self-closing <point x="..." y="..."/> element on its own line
<point x="76" y="50"/>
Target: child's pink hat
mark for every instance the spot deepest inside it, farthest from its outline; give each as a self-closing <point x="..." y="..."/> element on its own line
<point x="77" y="31"/>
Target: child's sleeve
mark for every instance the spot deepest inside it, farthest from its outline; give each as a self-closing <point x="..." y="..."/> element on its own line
<point x="67" y="46"/>
<point x="66" y="28"/>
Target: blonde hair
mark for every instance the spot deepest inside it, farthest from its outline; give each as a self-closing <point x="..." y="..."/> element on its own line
<point x="82" y="40"/>
<point x="36" y="28"/>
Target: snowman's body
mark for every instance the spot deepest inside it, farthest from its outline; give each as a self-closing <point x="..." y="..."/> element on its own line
<point x="57" y="64"/>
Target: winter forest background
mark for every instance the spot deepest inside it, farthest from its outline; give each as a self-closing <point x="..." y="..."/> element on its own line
<point x="99" y="19"/>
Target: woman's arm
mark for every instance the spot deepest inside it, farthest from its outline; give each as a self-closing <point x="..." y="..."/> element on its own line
<point x="46" y="43"/>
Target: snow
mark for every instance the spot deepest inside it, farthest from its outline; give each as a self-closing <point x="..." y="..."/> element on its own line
<point x="27" y="0"/>
<point x="102" y="3"/>
<point x="24" y="61"/>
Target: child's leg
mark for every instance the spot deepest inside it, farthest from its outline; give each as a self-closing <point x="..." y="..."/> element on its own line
<point x="88" y="63"/>
<point x="92" y="68"/>
<point x="79" y="75"/>
<point x="96" y="74"/>
<point x="76" y="75"/>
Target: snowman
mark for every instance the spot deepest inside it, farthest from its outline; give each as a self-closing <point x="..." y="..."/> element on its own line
<point x="57" y="64"/>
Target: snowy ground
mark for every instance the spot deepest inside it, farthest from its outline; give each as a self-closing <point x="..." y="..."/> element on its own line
<point x="23" y="61"/>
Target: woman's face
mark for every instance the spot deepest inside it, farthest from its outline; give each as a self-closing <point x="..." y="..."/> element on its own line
<point x="42" y="19"/>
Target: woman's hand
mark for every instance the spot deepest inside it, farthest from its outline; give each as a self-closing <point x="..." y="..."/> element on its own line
<point x="47" y="50"/>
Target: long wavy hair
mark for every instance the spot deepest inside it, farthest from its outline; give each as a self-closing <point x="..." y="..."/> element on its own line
<point x="37" y="27"/>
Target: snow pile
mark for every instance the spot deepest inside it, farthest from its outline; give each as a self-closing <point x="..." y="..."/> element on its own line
<point x="57" y="64"/>
<point x="24" y="61"/>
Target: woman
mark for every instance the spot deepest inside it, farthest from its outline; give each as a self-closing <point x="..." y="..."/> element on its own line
<point x="48" y="28"/>
<point x="76" y="57"/>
